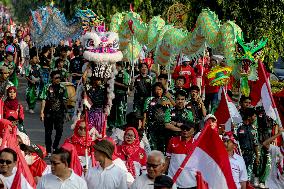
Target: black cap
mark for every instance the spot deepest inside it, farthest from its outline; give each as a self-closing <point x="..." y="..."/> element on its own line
<point x="163" y="181"/>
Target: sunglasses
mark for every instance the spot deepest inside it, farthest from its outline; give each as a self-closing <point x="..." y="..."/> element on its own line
<point x="82" y="128"/>
<point x="154" y="166"/>
<point x="8" y="162"/>
<point x="185" y="129"/>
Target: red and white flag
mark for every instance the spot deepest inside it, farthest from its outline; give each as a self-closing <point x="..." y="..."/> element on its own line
<point x="261" y="94"/>
<point x="210" y="160"/>
<point x="227" y="113"/>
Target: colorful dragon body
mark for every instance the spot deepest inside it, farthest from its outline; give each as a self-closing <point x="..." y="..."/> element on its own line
<point x="49" y="27"/>
<point x="167" y="41"/>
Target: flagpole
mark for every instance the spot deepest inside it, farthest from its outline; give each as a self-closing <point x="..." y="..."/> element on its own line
<point x="232" y="121"/>
<point x="271" y="96"/>
<point x="87" y="137"/>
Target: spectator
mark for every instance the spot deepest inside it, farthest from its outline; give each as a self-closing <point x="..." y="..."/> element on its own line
<point x="106" y="174"/>
<point x="131" y="152"/>
<point x="155" y="167"/>
<point x="177" y="150"/>
<point x="63" y="55"/>
<point x="237" y="162"/>
<point x="61" y="176"/>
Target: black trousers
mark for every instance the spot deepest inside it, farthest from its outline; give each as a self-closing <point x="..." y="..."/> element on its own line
<point x="53" y="120"/>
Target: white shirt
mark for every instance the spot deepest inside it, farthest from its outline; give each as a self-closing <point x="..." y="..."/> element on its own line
<point x="112" y="177"/>
<point x="143" y="182"/>
<point x="51" y="181"/>
<point x="239" y="170"/>
<point x="129" y="178"/>
<point x="272" y="182"/>
<point x="8" y="181"/>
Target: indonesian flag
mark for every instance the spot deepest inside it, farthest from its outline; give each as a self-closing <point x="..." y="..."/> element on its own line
<point x="23" y="178"/>
<point x="261" y="94"/>
<point x="227" y="113"/>
<point x="210" y="160"/>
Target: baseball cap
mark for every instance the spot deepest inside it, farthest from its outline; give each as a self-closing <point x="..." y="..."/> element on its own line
<point x="209" y="116"/>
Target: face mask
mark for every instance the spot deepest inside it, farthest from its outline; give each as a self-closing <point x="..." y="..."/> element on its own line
<point x="30" y="159"/>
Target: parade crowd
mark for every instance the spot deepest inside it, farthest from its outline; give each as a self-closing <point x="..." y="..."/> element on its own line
<point x="142" y="149"/>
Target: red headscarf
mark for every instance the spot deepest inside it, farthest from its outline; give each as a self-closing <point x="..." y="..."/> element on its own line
<point x="75" y="162"/>
<point x="76" y="138"/>
<point x="11" y="104"/>
<point x="129" y="149"/>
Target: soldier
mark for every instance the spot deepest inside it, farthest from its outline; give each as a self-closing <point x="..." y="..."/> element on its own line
<point x="121" y="85"/>
<point x="247" y="137"/>
<point x="142" y="89"/>
<point x="53" y="108"/>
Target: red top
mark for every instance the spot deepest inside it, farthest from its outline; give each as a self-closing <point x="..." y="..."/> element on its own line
<point x="178" y="146"/>
<point x="187" y="72"/>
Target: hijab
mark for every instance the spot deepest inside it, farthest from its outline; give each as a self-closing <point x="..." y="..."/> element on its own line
<point x="11" y="104"/>
<point x="130" y="149"/>
<point x="76" y="138"/>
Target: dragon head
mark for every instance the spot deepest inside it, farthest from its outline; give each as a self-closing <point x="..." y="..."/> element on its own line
<point x="248" y="54"/>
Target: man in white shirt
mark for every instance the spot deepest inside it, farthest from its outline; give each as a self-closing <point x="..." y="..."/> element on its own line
<point x="155" y="167"/>
<point x="237" y="162"/>
<point x="8" y="169"/>
<point x="275" y="180"/>
<point x="61" y="177"/>
<point x="106" y="175"/>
